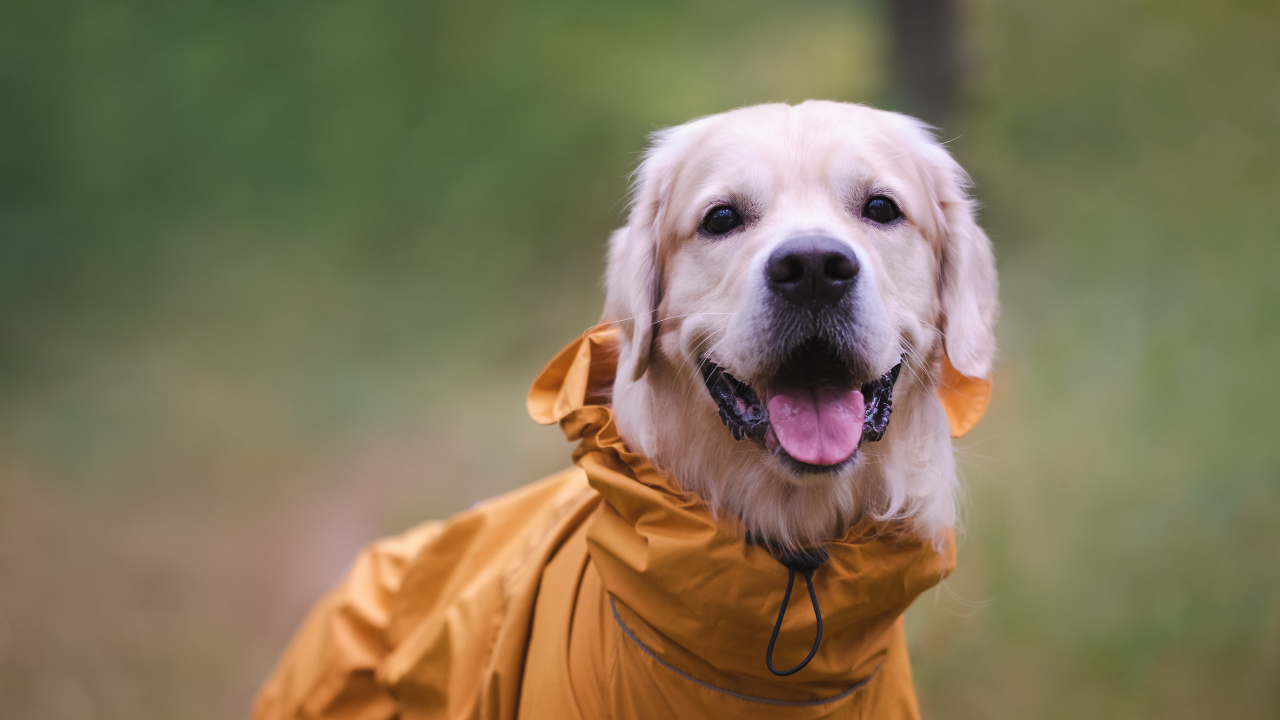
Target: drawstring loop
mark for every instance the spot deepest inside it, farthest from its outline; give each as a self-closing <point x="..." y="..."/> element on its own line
<point x="806" y="562"/>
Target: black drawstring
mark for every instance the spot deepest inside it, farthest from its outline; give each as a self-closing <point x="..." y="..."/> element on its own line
<point x="806" y="562"/>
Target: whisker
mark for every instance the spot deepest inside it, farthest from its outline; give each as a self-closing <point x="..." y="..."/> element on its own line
<point x="697" y="370"/>
<point x="606" y="323"/>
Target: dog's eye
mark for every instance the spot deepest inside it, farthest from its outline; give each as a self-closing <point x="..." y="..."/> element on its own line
<point x="721" y="220"/>
<point x="881" y="209"/>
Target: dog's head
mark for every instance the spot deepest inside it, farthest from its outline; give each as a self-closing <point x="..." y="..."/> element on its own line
<point x="787" y="275"/>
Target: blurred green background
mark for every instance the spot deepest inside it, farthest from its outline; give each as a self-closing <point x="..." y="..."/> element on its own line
<point x="274" y="277"/>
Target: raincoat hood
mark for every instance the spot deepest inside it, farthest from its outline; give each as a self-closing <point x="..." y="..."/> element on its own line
<point x="605" y="590"/>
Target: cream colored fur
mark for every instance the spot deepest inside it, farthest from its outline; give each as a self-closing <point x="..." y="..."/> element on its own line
<point x="927" y="286"/>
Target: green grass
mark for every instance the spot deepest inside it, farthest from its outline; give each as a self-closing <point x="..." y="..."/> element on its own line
<point x="273" y="278"/>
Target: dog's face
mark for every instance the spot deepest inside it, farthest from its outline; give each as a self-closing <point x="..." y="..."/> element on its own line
<point x="787" y="277"/>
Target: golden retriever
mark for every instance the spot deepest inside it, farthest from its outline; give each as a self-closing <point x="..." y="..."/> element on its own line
<point x="786" y="276"/>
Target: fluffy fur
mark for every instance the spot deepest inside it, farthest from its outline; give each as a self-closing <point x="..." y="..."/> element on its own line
<point x="927" y="287"/>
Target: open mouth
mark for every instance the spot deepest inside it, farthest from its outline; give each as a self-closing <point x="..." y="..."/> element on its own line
<point x="814" y="415"/>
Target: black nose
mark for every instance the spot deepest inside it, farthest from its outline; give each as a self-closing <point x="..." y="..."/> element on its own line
<point x="812" y="270"/>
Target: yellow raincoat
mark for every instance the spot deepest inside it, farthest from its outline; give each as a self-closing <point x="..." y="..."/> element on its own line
<point x="605" y="591"/>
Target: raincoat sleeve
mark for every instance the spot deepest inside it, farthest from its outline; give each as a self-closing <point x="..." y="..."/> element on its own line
<point x="329" y="669"/>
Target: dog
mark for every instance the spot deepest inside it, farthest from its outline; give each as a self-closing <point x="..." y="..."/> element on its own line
<point x="783" y="252"/>
<point x="799" y="314"/>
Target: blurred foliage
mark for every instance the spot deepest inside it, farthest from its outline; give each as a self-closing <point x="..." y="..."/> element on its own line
<point x="323" y="201"/>
<point x="1124" y="509"/>
<point x="273" y="277"/>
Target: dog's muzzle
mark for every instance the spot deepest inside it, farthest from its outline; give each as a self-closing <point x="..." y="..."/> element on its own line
<point x="814" y="416"/>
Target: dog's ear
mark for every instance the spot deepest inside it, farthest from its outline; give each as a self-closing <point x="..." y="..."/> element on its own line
<point x="632" y="294"/>
<point x="634" y="281"/>
<point x="968" y="289"/>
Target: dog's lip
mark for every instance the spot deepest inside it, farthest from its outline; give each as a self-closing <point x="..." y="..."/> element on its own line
<point x="741" y="409"/>
<point x="746" y="414"/>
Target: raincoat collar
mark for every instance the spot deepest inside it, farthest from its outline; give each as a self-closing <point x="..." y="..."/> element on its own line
<point x="692" y="591"/>
<point x="581" y="375"/>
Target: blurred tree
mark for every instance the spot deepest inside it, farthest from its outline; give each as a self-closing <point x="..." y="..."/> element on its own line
<point x="925" y="66"/>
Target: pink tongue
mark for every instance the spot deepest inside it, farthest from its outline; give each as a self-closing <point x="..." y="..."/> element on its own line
<point x="818" y="426"/>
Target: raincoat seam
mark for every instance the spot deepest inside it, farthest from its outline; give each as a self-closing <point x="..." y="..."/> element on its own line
<point x="616" y="659"/>
<point x="741" y="696"/>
